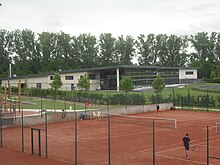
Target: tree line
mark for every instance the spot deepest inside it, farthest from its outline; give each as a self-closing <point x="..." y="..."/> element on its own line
<point x="37" y="53"/>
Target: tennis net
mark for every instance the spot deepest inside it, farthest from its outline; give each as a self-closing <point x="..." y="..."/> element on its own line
<point x="142" y="120"/>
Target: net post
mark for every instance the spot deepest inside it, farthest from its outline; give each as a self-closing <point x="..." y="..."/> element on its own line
<point x="175" y="124"/>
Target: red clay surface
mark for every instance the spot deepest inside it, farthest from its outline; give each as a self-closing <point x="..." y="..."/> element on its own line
<point x="130" y="144"/>
<point x="12" y="157"/>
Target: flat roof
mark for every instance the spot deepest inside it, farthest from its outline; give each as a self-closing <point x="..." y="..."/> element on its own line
<point x="96" y="69"/>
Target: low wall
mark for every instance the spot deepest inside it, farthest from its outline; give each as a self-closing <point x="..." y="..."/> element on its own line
<point x="141" y="108"/>
<point x="68" y="116"/>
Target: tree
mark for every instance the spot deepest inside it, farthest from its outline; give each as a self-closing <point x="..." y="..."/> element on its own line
<point x="161" y="49"/>
<point x="204" y="57"/>
<point x="83" y="82"/>
<point x="126" y="84"/>
<point x="5" y="51"/>
<point x="63" y="51"/>
<point x="1" y="89"/>
<point x="107" y="49"/>
<point x="87" y="49"/>
<point x="146" y="49"/>
<point x="56" y="84"/>
<point x="176" y="49"/>
<point x="158" y="84"/>
<point x="124" y="50"/>
<point x="27" y="57"/>
<point x="47" y="42"/>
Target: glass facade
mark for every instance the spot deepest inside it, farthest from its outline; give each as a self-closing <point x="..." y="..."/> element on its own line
<point x="141" y="76"/>
<point x="145" y="76"/>
<point x="108" y="79"/>
<point x="170" y="76"/>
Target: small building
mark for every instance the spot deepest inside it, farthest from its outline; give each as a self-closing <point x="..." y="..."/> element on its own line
<point x="107" y="78"/>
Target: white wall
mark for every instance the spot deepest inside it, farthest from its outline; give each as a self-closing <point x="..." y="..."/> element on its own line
<point x="45" y="81"/>
<point x="182" y="74"/>
<point x="31" y="82"/>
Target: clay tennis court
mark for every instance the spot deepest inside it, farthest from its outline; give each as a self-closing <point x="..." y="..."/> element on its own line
<point x="130" y="144"/>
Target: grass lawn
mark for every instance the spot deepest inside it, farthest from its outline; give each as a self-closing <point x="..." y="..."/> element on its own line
<point x="169" y="91"/>
<point x="38" y="103"/>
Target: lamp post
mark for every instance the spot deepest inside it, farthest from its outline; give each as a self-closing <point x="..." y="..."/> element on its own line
<point x="9" y="76"/>
<point x="9" y="86"/>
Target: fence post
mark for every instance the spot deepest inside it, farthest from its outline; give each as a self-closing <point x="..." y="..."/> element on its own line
<point x="41" y="103"/>
<point x="75" y="118"/>
<point x="22" y="129"/>
<point x="1" y="123"/>
<point x="207" y="100"/>
<point x="46" y="130"/>
<point x="207" y="149"/>
<point x="174" y="102"/>
<point x="125" y="100"/>
<point x="65" y="101"/>
<point x="142" y="98"/>
<point x="189" y="101"/>
<point x="154" y="158"/>
<point x="182" y="99"/>
<point x="109" y="132"/>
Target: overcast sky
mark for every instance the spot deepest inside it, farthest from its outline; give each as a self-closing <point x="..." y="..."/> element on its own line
<point x="119" y="17"/>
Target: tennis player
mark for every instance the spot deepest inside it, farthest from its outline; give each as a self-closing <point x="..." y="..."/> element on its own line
<point x="158" y="108"/>
<point x="186" y="143"/>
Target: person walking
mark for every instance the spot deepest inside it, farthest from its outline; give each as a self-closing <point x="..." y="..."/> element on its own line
<point x="186" y="143"/>
<point x="158" y="108"/>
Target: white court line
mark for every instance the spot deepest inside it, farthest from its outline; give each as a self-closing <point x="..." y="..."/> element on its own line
<point x="186" y="160"/>
<point x="61" y="137"/>
<point x="200" y="144"/>
<point x="205" y="128"/>
<point x="60" y="160"/>
<point x="117" y="135"/>
<point x="171" y="157"/>
<point x="192" y="123"/>
<point x="177" y="144"/>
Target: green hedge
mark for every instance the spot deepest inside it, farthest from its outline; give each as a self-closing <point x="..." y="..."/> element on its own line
<point x="198" y="101"/>
<point x="82" y="96"/>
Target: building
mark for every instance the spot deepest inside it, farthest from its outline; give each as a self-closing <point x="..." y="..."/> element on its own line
<point x="107" y="78"/>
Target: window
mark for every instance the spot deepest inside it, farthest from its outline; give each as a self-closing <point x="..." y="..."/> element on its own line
<point x="39" y="85"/>
<point x="92" y="76"/>
<point x="51" y="77"/>
<point x="189" y="72"/>
<point x="72" y="87"/>
<point x="23" y="85"/>
<point x="69" y="78"/>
